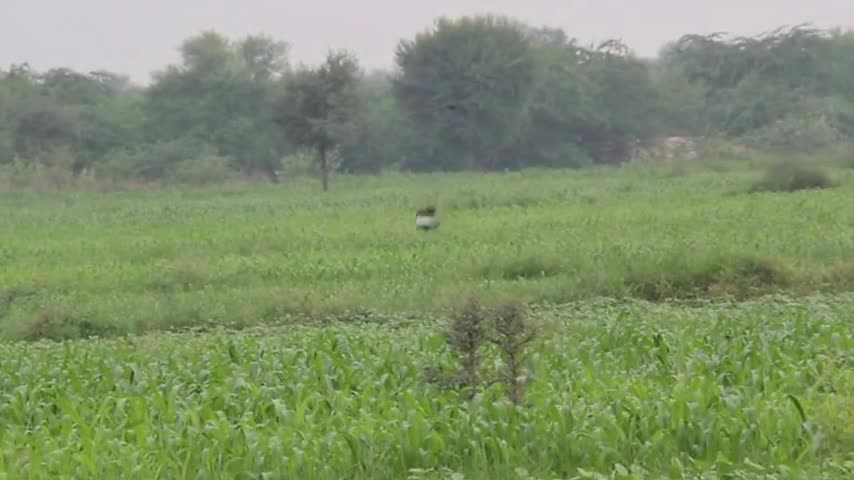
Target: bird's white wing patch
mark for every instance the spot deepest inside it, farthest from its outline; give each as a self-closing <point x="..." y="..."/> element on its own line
<point x="424" y="221"/>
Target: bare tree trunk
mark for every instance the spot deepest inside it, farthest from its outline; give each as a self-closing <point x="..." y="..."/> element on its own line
<point x="324" y="168"/>
<point x="513" y="378"/>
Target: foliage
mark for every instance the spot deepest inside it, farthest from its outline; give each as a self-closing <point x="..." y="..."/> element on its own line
<point x="239" y="254"/>
<point x="317" y="107"/>
<point x="754" y="83"/>
<point x="464" y="85"/>
<point x="465" y="337"/>
<point x="221" y="95"/>
<point x="513" y="334"/>
<point x="379" y="134"/>
<point x="645" y="364"/>
<point x="472" y="328"/>
<point x="658" y="391"/>
<point x="561" y="108"/>
<point x="209" y="169"/>
<point x="793" y="175"/>
<point x="480" y="92"/>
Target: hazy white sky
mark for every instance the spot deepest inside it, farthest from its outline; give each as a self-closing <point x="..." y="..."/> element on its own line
<point x="135" y="37"/>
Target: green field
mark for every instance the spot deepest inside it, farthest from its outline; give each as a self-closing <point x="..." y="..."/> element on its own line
<point x="241" y="255"/>
<point x="690" y="329"/>
<point x="711" y="400"/>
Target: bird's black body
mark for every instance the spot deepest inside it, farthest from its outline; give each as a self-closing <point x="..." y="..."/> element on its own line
<point x="425" y="212"/>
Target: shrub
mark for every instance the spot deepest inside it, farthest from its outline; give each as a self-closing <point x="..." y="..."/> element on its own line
<point x="465" y="337"/>
<point x="791" y="176"/>
<point x="152" y="162"/>
<point x="473" y="327"/>
<point x="511" y="334"/>
<point x="842" y="155"/>
<point x="202" y="170"/>
<point x="715" y="276"/>
<point x="522" y="268"/>
<point x="51" y="171"/>
<point x="797" y="132"/>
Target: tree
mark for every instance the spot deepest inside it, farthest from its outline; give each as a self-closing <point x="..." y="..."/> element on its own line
<point x="624" y="101"/>
<point x="464" y="86"/>
<point x="589" y="104"/>
<point x="379" y="134"/>
<point x="562" y="104"/>
<point x="221" y="95"/>
<point x="64" y="118"/>
<point x="483" y="92"/>
<point x="318" y="106"/>
<point x="754" y="83"/>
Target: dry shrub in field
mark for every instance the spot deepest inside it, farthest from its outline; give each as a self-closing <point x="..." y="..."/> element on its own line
<point x="55" y="324"/>
<point x="505" y="326"/>
<point x="522" y="268"/>
<point x="735" y="276"/>
<point x="791" y="176"/>
<point x="512" y="333"/>
<point x="466" y="337"/>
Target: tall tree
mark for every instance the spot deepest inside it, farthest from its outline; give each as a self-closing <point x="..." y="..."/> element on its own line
<point x="318" y="106"/>
<point x="752" y="83"/>
<point x="465" y="85"/>
<point x="64" y="118"/>
<point x="379" y="135"/>
<point x="221" y="95"/>
<point x="561" y="106"/>
<point x="624" y="101"/>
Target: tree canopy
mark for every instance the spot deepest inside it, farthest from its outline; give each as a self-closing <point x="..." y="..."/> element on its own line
<point x="318" y="106"/>
<point x="474" y="93"/>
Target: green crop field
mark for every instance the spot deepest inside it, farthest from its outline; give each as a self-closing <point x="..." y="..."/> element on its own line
<point x="129" y="262"/>
<point x="688" y="328"/>
<point x="633" y="390"/>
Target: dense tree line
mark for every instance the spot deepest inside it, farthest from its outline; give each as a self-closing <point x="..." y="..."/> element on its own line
<point x="485" y="93"/>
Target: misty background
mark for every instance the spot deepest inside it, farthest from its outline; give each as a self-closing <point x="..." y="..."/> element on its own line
<point x="136" y="37"/>
<point x="102" y="94"/>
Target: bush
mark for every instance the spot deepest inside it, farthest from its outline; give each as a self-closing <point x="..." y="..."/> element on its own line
<point x="51" y="171"/>
<point x="796" y="132"/>
<point x="791" y="176"/>
<point x="301" y="163"/>
<point x="842" y="155"/>
<point x="507" y="328"/>
<point x="522" y="268"/>
<point x="715" y="276"/>
<point x="152" y="162"/>
<point x="202" y="170"/>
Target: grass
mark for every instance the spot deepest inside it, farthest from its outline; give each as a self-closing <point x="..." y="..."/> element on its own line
<point x="130" y="262"/>
<point x="763" y="389"/>
<point x="340" y="304"/>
